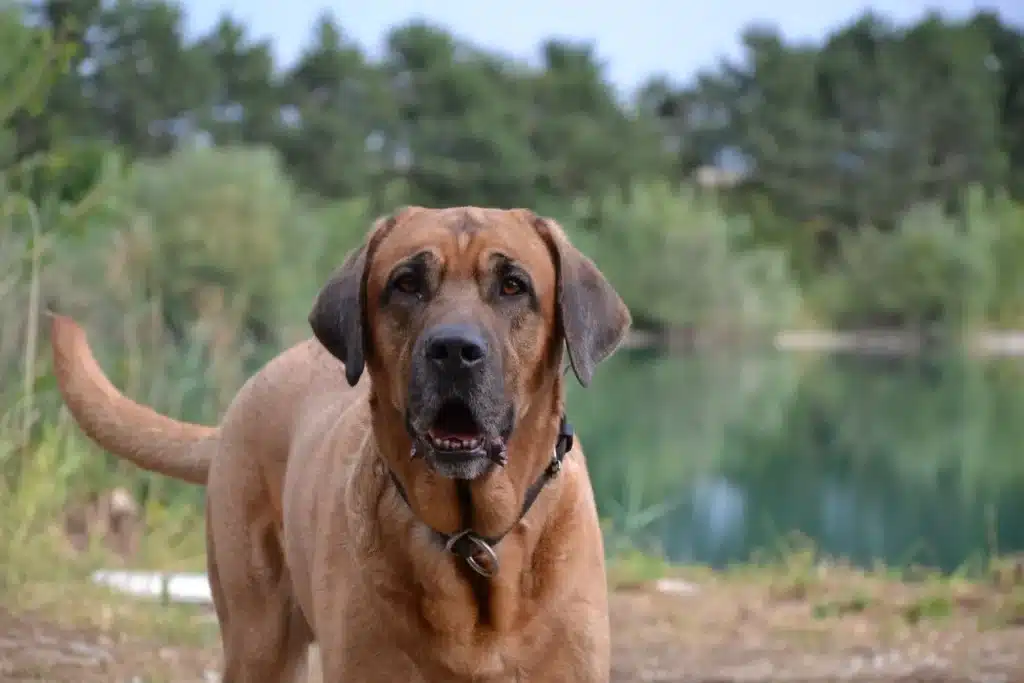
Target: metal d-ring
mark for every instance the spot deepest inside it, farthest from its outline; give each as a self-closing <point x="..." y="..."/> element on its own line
<point x="481" y="545"/>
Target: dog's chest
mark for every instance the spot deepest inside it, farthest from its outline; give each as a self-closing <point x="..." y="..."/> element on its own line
<point x="451" y="638"/>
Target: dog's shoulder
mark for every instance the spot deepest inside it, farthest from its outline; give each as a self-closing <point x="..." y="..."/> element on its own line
<point x="301" y="381"/>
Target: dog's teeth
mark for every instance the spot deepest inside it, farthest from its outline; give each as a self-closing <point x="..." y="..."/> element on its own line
<point x="451" y="443"/>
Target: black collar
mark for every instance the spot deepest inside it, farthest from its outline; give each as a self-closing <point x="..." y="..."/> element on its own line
<point x="478" y="551"/>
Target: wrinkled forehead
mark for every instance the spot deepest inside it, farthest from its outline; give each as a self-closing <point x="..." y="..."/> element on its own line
<point x="465" y="240"/>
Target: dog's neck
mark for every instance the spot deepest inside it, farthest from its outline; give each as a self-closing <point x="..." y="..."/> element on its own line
<point x="478" y="552"/>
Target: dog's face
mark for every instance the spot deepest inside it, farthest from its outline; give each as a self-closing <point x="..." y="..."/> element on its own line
<point x="460" y="315"/>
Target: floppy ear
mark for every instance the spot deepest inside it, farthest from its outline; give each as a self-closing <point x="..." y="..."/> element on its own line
<point x="594" y="319"/>
<point x="338" y="317"/>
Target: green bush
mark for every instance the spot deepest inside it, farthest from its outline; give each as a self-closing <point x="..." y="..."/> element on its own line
<point x="676" y="258"/>
<point x="221" y="233"/>
<point x="1001" y="220"/>
<point x="939" y="272"/>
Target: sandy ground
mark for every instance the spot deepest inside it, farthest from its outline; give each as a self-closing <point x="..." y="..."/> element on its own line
<point x="715" y="635"/>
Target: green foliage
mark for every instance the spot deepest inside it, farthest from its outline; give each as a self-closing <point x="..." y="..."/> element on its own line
<point x="999" y="223"/>
<point x="677" y="260"/>
<point x="203" y="224"/>
<point x="937" y="271"/>
<point x="830" y="147"/>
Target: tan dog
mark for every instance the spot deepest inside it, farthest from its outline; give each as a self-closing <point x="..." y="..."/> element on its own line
<point x="368" y="517"/>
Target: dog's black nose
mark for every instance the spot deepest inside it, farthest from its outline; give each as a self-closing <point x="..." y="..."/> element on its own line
<point x="454" y="348"/>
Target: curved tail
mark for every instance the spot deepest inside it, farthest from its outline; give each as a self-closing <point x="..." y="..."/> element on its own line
<point x="116" y="423"/>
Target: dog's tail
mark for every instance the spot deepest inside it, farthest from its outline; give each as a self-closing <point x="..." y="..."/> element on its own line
<point x="118" y="424"/>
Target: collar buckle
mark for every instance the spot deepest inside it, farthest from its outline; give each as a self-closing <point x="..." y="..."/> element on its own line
<point x="469" y="547"/>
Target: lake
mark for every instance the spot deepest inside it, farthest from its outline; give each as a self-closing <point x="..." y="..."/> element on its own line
<point x="716" y="458"/>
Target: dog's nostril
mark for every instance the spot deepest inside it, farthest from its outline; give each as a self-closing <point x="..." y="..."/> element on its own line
<point x="437" y="350"/>
<point x="471" y="353"/>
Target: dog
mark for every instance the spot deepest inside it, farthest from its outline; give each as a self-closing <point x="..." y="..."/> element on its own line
<point x="403" y="488"/>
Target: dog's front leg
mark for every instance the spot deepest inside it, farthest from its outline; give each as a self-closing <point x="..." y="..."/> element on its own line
<point x="579" y="651"/>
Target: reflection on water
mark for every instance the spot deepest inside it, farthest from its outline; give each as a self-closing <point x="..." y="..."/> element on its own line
<point x="715" y="458"/>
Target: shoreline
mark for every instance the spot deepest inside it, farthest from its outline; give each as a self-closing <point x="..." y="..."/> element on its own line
<point x="985" y="343"/>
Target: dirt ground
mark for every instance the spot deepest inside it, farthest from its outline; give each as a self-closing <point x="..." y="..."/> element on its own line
<point x="746" y="632"/>
<point x="799" y="618"/>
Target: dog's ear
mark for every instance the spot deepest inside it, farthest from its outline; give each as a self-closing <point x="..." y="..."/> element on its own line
<point x="338" y="317"/>
<point x="593" y="317"/>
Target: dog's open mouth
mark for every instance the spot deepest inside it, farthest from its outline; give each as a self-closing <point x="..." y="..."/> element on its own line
<point x="455" y="430"/>
<point x="457" y="445"/>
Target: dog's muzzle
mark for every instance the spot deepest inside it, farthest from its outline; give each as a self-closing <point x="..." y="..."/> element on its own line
<point x="458" y="417"/>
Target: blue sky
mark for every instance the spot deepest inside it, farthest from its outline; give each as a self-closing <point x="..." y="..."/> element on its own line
<point x="634" y="39"/>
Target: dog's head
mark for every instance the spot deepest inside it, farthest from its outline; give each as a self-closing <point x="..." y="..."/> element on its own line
<point x="460" y="316"/>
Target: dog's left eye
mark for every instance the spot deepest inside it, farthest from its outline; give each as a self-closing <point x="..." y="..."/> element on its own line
<point x="512" y="286"/>
<point x="407" y="284"/>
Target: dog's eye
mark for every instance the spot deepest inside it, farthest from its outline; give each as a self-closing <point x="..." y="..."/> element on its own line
<point x="512" y="286"/>
<point x="407" y="284"/>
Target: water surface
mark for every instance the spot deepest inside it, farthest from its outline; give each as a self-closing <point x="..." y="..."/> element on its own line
<point x="716" y="458"/>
